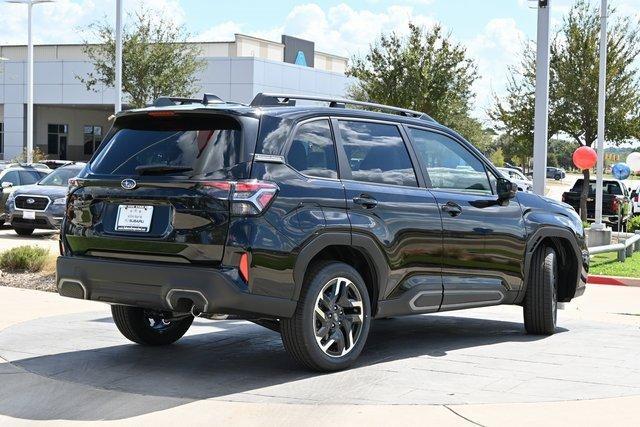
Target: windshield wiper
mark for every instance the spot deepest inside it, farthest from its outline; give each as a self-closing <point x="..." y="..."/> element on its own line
<point x="161" y="169"/>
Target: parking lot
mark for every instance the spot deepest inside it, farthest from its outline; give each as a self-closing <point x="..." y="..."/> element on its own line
<point x="475" y="367"/>
<point x="464" y="368"/>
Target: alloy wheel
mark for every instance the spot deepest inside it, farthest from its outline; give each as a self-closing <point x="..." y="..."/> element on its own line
<point x="339" y="317"/>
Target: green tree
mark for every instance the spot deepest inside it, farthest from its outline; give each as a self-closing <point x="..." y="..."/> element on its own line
<point x="425" y="71"/>
<point x="497" y="157"/>
<point x="156" y="59"/>
<point x="574" y="84"/>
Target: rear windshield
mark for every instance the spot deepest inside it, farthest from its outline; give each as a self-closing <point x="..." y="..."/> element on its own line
<point x="608" y="187"/>
<point x="61" y="176"/>
<point x="177" y="145"/>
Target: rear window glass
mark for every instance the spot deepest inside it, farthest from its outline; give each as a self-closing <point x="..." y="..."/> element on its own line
<point x="608" y="187"/>
<point x="178" y="145"/>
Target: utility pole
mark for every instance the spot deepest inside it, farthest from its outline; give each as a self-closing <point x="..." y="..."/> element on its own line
<point x="541" y="126"/>
<point x="602" y="98"/>
<point x="29" y="4"/>
<point x="118" y="82"/>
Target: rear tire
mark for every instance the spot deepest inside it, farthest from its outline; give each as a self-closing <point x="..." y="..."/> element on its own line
<point x="147" y="327"/>
<point x="541" y="300"/>
<point x="331" y="323"/>
<point x="20" y="231"/>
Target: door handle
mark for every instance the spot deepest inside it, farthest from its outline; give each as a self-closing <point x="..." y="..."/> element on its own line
<point x="452" y="209"/>
<point x="365" y="201"/>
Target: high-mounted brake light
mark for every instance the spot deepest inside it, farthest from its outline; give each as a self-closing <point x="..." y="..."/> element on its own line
<point x="161" y="113"/>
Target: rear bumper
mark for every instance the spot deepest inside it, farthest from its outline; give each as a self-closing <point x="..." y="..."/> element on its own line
<point x="164" y="287"/>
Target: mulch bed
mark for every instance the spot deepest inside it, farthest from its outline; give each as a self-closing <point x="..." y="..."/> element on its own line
<point x="34" y="281"/>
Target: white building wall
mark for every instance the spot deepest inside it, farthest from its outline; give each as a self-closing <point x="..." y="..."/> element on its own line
<point x="236" y="79"/>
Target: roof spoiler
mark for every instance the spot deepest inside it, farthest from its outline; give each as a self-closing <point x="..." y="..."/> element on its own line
<point x="168" y="101"/>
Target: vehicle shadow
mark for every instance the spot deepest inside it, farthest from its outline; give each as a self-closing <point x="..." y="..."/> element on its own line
<point x="238" y="357"/>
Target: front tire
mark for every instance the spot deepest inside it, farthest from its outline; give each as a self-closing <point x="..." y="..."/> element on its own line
<point x="20" y="231"/>
<point x="148" y="327"/>
<point x="541" y="300"/>
<point x="331" y="323"/>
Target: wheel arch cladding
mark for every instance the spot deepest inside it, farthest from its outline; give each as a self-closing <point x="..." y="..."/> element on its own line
<point x="568" y="268"/>
<point x="362" y="255"/>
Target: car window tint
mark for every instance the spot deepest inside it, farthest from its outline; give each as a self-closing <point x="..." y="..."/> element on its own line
<point x="376" y="153"/>
<point x="449" y="165"/>
<point x="11" y="177"/>
<point x="29" y="177"/>
<point x="312" y="151"/>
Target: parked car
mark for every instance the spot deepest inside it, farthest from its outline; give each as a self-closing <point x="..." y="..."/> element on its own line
<point x="55" y="164"/>
<point x="510" y="166"/>
<point x="556" y="173"/>
<point x="524" y="183"/>
<point x="635" y="199"/>
<point x="41" y="205"/>
<point x="309" y="220"/>
<point x="12" y="177"/>
<point x="616" y="201"/>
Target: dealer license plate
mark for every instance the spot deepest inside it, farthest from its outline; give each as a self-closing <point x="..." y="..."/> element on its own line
<point x="135" y="218"/>
<point x="28" y="214"/>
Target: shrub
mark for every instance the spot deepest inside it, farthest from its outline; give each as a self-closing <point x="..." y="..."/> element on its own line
<point x="24" y="258"/>
<point x="634" y="224"/>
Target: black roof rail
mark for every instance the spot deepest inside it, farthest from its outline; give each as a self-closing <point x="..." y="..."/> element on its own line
<point x="289" y="100"/>
<point x="207" y="98"/>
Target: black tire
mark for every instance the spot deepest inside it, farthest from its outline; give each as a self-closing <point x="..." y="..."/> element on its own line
<point x="299" y="332"/>
<point x="135" y="324"/>
<point x="541" y="300"/>
<point x="557" y="177"/>
<point x="20" y="231"/>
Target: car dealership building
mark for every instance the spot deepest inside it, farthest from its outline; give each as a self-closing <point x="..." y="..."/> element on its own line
<point x="69" y="120"/>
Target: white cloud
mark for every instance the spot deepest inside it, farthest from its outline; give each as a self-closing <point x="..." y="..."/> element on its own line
<point x="499" y="45"/>
<point x="64" y="20"/>
<point x="339" y="29"/>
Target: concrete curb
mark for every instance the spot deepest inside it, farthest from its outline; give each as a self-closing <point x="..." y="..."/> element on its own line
<point x="613" y="280"/>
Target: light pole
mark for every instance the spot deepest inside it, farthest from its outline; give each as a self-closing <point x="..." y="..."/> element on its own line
<point x="118" y="82"/>
<point x="602" y="97"/>
<point x="29" y="4"/>
<point x="541" y="125"/>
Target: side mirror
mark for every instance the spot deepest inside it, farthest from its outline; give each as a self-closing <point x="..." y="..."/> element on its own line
<point x="506" y="189"/>
<point x="7" y="184"/>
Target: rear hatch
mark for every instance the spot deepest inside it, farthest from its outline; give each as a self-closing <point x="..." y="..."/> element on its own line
<point x="157" y="190"/>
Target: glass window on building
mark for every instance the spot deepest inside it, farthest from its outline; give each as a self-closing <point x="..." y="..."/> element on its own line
<point x="1" y="137"/>
<point x="57" y="136"/>
<point x="92" y="139"/>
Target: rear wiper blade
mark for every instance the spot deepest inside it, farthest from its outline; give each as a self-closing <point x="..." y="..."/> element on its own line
<point x="161" y="169"/>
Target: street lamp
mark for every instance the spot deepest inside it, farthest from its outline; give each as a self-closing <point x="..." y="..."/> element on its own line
<point x="30" y="4"/>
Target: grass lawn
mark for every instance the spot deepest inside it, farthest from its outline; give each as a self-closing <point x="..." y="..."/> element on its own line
<point x="608" y="265"/>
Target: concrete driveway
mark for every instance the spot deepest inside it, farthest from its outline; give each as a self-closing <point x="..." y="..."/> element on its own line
<point x="62" y="360"/>
<point x="44" y="238"/>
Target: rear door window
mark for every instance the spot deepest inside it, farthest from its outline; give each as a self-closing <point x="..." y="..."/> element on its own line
<point x="12" y="177"/>
<point x="376" y="153"/>
<point x="180" y="145"/>
<point x="312" y="151"/>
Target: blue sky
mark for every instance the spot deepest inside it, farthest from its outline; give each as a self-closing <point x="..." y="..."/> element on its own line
<point x="492" y="30"/>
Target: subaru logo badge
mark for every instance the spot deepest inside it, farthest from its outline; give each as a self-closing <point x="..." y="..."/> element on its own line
<point x="128" y="184"/>
<point x="30" y="201"/>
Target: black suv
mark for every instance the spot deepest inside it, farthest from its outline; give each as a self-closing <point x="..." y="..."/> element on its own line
<point x="311" y="220"/>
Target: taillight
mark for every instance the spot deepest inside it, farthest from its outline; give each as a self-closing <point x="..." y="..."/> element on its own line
<point x="248" y="197"/>
<point x="252" y="197"/>
<point x="615" y="204"/>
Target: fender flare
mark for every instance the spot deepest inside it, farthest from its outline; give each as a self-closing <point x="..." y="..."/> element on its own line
<point x="365" y="244"/>
<point x="534" y="241"/>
